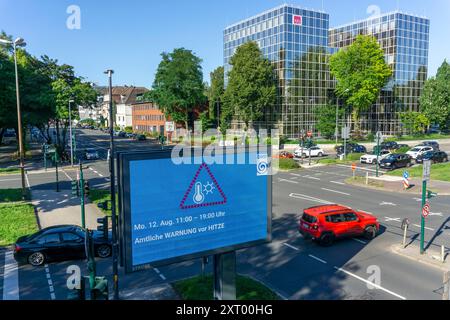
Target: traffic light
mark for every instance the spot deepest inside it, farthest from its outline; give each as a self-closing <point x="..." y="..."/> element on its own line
<point x="75" y="188"/>
<point x="103" y="205"/>
<point x="86" y="188"/>
<point x="103" y="226"/>
<point x="431" y="194"/>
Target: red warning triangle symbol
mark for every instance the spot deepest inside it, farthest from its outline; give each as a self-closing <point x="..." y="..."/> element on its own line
<point x="190" y="201"/>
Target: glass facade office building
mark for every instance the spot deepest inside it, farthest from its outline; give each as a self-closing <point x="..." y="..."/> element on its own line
<point x="405" y="40"/>
<point x="299" y="42"/>
<point x="295" y="40"/>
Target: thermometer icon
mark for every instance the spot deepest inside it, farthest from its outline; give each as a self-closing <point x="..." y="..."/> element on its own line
<point x="198" y="195"/>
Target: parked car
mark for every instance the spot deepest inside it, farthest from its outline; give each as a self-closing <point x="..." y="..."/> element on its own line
<point x="372" y="158"/>
<point x="285" y="155"/>
<point x="434" y="156"/>
<point x="340" y="151"/>
<point x="315" y="152"/>
<point x="129" y="135"/>
<point x="433" y="144"/>
<point x="91" y="154"/>
<point x="330" y="222"/>
<point x="388" y="145"/>
<point x="140" y="137"/>
<point x="419" y="150"/>
<point x="357" y="148"/>
<point x="122" y="134"/>
<point x="58" y="243"/>
<point x="395" y="161"/>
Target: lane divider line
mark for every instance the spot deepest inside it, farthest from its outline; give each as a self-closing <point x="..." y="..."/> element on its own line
<point x="317" y="259"/>
<point x="339" y="183"/>
<point x="50" y="283"/>
<point x="370" y="283"/>
<point x="292" y="247"/>
<point x="334" y="191"/>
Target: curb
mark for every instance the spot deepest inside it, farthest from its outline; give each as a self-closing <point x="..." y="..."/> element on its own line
<point x="437" y="265"/>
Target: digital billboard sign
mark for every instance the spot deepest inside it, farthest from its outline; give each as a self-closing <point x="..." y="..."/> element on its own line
<point x="174" y="212"/>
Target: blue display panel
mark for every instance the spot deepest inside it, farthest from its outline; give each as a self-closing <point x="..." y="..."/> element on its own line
<point x="176" y="212"/>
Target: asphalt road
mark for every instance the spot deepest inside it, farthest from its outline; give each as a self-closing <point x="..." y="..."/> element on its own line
<point x="295" y="268"/>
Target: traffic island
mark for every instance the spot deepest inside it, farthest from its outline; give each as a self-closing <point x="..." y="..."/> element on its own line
<point x="431" y="257"/>
<point x="201" y="288"/>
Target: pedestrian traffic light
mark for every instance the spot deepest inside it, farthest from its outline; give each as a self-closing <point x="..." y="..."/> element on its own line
<point x="86" y="188"/>
<point x="103" y="226"/>
<point x="75" y="188"/>
<point x="103" y="205"/>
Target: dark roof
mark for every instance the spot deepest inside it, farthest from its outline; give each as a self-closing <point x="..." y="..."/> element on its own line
<point x="124" y="94"/>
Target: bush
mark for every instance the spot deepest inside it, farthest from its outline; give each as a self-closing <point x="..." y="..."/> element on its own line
<point x="128" y="129"/>
<point x="370" y="137"/>
<point x="288" y="164"/>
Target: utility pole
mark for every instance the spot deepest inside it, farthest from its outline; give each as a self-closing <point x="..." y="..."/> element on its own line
<point x="70" y="133"/>
<point x="81" y="186"/>
<point x="113" y="191"/>
<point x="56" y="170"/>
<point x="425" y="178"/>
<point x="337" y="116"/>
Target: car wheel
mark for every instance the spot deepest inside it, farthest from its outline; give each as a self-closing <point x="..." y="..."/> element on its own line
<point x="320" y="154"/>
<point x="36" y="259"/>
<point x="104" y="251"/>
<point x="304" y="155"/>
<point x="326" y="239"/>
<point x="370" y="232"/>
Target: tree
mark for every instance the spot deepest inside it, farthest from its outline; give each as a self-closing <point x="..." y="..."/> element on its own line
<point x="251" y="85"/>
<point x="178" y="86"/>
<point x="326" y="120"/>
<point x="361" y="72"/>
<point x="414" y="122"/>
<point x="215" y="92"/>
<point x="435" y="98"/>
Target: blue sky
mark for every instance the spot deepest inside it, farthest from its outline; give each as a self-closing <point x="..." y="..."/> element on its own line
<point x="128" y="36"/>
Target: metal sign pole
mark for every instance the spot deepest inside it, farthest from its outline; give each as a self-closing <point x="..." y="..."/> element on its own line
<point x="225" y="276"/>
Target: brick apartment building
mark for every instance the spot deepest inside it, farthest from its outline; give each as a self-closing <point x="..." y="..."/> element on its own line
<point x="146" y="117"/>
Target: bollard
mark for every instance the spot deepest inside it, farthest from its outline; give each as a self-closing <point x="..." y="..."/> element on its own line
<point x="445" y="295"/>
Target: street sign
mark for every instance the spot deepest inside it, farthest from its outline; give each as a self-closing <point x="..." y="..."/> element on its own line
<point x="405" y="175"/>
<point x="426" y="170"/>
<point x="182" y="208"/>
<point x="426" y="210"/>
<point x="345" y="133"/>
<point x="170" y="126"/>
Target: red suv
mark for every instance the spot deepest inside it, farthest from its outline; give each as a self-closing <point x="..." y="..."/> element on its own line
<point x="330" y="222"/>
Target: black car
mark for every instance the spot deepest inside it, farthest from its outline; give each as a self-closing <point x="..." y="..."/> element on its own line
<point x="357" y="148"/>
<point x="395" y="161"/>
<point x="140" y="137"/>
<point x="351" y="148"/>
<point x="122" y="134"/>
<point x="434" y="156"/>
<point x="433" y="144"/>
<point x="58" y="243"/>
<point x="389" y="145"/>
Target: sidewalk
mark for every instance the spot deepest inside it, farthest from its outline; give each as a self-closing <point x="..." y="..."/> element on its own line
<point x="59" y="208"/>
<point x="431" y="257"/>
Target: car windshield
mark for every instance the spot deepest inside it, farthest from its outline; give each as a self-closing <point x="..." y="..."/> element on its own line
<point x="428" y="154"/>
<point x="391" y="157"/>
<point x="308" y="218"/>
<point x="415" y="149"/>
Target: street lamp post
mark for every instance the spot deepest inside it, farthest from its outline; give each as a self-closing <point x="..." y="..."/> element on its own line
<point x="19" y="42"/>
<point x="113" y="191"/>
<point x="70" y="132"/>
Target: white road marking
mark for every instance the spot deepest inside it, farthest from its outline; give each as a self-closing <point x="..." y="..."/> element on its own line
<point x="339" y="183"/>
<point x="384" y="203"/>
<point x="292" y="247"/>
<point x="360" y="168"/>
<point x="419" y="226"/>
<point x="290" y="181"/>
<point x="10" y="278"/>
<point x="308" y="198"/>
<point x="157" y="270"/>
<point x="439" y="214"/>
<point x="345" y="194"/>
<point x="370" y="283"/>
<point x="295" y="174"/>
<point x="417" y="199"/>
<point x="162" y="276"/>
<point x="67" y="175"/>
<point x="360" y="241"/>
<point x="15" y="179"/>
<point x="50" y="283"/>
<point x="318" y="259"/>
<point x="312" y="178"/>
<point x="387" y="219"/>
<point x="28" y="181"/>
